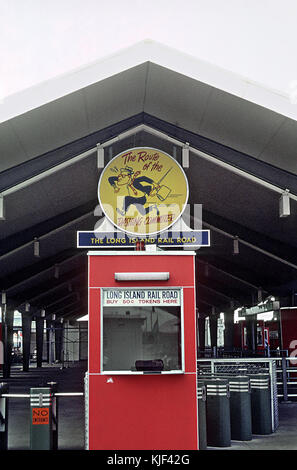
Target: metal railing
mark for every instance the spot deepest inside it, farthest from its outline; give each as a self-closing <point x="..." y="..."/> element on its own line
<point x="286" y="369"/>
<point x="281" y="367"/>
<point x="27" y="395"/>
<point x="246" y="366"/>
<point x="221" y="352"/>
<point x="286" y="378"/>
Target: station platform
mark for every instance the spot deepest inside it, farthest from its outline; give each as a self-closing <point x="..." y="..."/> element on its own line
<point x="71" y="412"/>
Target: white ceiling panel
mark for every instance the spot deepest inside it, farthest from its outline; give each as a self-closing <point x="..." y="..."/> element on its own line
<point x="116" y="98"/>
<point x="11" y="151"/>
<point x="51" y="126"/>
<point x="239" y="124"/>
<point x="175" y="98"/>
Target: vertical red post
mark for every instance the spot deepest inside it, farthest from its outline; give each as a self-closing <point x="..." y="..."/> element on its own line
<point x="140" y="246"/>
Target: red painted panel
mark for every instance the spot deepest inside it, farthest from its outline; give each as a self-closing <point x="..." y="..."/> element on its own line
<point x="94" y="330"/>
<point x="1" y="347"/>
<point x="143" y="412"/>
<point x="237" y="336"/>
<point x="289" y="330"/>
<point x="102" y="269"/>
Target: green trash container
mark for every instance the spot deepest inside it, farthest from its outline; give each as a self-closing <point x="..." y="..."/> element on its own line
<point x="218" y="413"/>
<point x="240" y="408"/>
<point x="261" y="404"/>
<point x="201" y="395"/>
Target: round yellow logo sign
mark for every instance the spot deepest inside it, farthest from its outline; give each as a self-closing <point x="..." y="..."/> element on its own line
<point x="143" y="191"/>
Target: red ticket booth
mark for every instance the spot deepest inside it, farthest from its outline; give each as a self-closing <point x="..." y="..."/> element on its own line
<point x="142" y="380"/>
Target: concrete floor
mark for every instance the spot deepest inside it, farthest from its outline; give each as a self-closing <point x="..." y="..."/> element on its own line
<point x="285" y="437"/>
<point x="71" y="413"/>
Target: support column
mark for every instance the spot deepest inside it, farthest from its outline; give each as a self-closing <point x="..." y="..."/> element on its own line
<point x="51" y="342"/>
<point x="251" y="325"/>
<point x="58" y="340"/>
<point x="39" y="339"/>
<point x="229" y="330"/>
<point x="26" y="332"/>
<point x="213" y="325"/>
<point x="201" y="332"/>
<point x="48" y="326"/>
<point x="7" y="332"/>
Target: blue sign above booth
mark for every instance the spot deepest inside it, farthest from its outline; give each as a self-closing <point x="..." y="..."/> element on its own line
<point x="194" y="239"/>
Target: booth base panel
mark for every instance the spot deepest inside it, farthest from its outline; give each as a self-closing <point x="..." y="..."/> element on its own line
<point x="143" y="412"/>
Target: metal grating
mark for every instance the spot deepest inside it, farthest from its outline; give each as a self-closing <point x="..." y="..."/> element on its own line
<point x="239" y="369"/>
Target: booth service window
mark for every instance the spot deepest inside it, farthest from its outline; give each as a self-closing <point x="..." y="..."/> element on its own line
<point x="142" y="330"/>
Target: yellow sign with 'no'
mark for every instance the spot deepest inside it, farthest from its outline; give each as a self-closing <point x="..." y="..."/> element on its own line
<point x="143" y="191"/>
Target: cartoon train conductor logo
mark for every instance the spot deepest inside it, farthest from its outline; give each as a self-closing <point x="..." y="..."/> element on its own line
<point x="137" y="192"/>
<point x="143" y="191"/>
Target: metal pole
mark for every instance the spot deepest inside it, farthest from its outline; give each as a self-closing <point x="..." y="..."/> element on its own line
<point x="55" y="409"/>
<point x="51" y="344"/>
<point x="212" y="365"/>
<point x="284" y="376"/>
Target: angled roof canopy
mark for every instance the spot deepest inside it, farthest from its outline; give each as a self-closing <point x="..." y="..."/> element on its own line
<point x="242" y="158"/>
